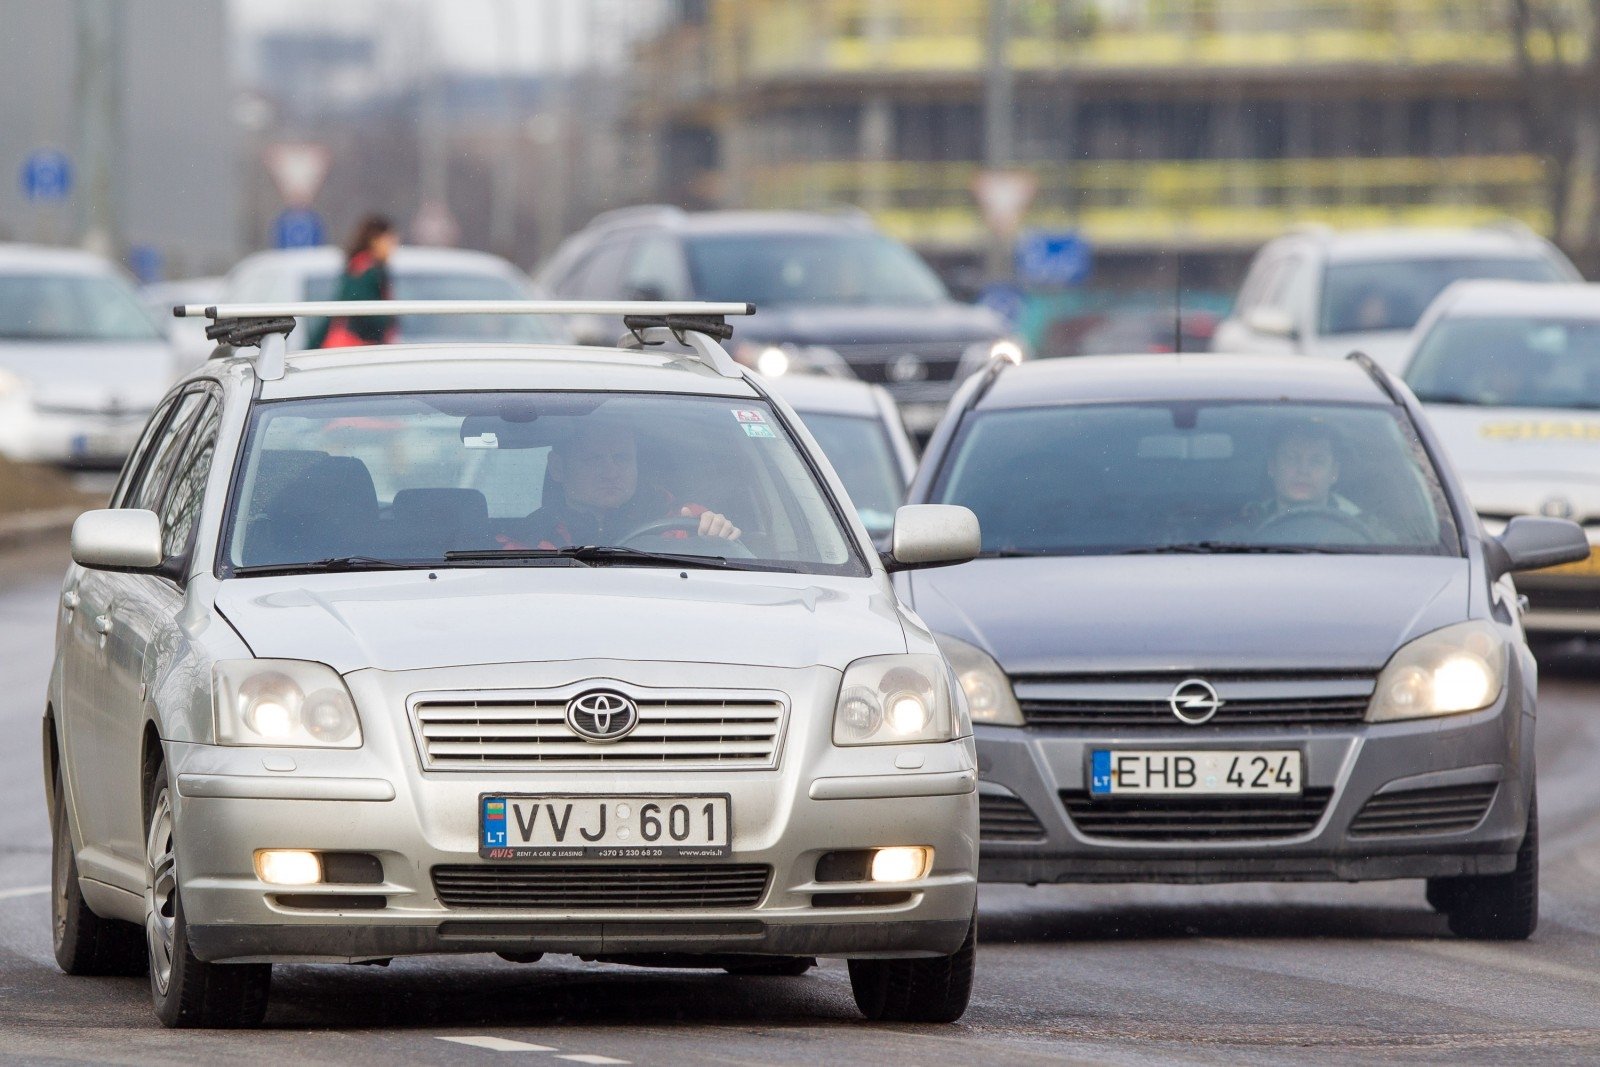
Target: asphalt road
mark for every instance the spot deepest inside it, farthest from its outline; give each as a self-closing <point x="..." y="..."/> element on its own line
<point x="1109" y="975"/>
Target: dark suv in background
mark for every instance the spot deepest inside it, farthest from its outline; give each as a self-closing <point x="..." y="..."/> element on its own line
<point x="833" y="295"/>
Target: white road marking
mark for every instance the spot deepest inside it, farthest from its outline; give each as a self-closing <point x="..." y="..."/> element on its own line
<point x="25" y="891"/>
<point x="588" y="1057"/>
<point x="502" y="1044"/>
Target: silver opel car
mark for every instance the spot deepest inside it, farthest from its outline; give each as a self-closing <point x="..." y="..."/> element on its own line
<point x="513" y="649"/>
<point x="1235" y="620"/>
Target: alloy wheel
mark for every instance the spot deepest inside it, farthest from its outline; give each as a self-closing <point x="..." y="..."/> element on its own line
<point x="161" y="892"/>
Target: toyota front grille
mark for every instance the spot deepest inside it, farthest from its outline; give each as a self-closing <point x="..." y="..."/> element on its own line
<point x="578" y="887"/>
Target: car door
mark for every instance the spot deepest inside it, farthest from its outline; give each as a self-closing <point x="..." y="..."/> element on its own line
<point x="100" y="747"/>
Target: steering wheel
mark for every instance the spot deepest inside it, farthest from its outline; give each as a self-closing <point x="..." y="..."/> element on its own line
<point x="1308" y="525"/>
<point x="691" y="525"/>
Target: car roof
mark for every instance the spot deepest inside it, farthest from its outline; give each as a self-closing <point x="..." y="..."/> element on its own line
<point x="736" y="222"/>
<point x="1164" y="378"/>
<point x="820" y="395"/>
<point x="1351" y="246"/>
<point x="17" y="258"/>
<point x="405" y="259"/>
<point x="1493" y="299"/>
<point x="468" y="367"/>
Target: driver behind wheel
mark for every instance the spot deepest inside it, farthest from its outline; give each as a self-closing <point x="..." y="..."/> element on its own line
<point x="596" y="497"/>
<point x="1303" y="467"/>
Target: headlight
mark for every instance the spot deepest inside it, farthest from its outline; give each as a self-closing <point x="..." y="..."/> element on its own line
<point x="989" y="695"/>
<point x="1459" y="668"/>
<point x="894" y="700"/>
<point x="11" y="386"/>
<point x="283" y="702"/>
<point x="772" y="360"/>
<point x="977" y="355"/>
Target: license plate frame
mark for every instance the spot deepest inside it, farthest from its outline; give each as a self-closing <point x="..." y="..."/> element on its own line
<point x="1209" y="773"/>
<point x="575" y="842"/>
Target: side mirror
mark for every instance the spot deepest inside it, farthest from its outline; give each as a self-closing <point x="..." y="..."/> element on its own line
<point x="1530" y="543"/>
<point x="932" y="535"/>
<point x="117" y="539"/>
<point x="1273" y="322"/>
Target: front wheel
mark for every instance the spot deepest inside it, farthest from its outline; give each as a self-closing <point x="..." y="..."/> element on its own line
<point x="930" y="990"/>
<point x="84" y="943"/>
<point x="188" y="992"/>
<point x="1496" y="907"/>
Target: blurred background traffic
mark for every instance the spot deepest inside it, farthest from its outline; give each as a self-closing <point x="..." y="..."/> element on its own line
<point x="905" y="187"/>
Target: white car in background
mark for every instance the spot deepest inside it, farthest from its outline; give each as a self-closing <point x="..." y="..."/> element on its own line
<point x="417" y="273"/>
<point x="188" y="336"/>
<point x="82" y="364"/>
<point x="1315" y="292"/>
<point x="859" y="429"/>
<point x="1509" y="375"/>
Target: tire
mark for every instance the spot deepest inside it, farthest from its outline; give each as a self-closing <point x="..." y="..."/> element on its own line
<point x="188" y="992"/>
<point x="84" y="943"/>
<point x="931" y="990"/>
<point x="1499" y="907"/>
<point x="1441" y="894"/>
<point x="776" y="967"/>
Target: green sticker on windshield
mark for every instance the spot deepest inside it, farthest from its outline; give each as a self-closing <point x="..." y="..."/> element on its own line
<point x="757" y="429"/>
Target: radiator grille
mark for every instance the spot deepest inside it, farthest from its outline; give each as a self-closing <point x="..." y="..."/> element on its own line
<point x="1006" y="818"/>
<point x="1196" y="818"/>
<point x="1141" y="702"/>
<point x="688" y="730"/>
<point x="1442" y="810"/>
<point x="939" y="360"/>
<point x="577" y="887"/>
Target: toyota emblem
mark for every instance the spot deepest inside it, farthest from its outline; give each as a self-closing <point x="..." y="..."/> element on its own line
<point x="908" y="368"/>
<point x="602" y="715"/>
<point x="1194" y="701"/>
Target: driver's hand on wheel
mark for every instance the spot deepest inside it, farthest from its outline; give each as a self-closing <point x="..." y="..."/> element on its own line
<point x="714" y="525"/>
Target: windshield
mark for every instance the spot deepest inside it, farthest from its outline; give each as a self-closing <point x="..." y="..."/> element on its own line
<point x="71" y="307"/>
<point x="1107" y="478"/>
<point x="1510" y="362"/>
<point x="412" y="479"/>
<point x="774" y="270"/>
<point x="861" y="453"/>
<point x="412" y="286"/>
<point x="1393" y="294"/>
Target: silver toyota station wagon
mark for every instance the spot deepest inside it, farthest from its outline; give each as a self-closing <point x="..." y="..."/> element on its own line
<point x="1235" y="620"/>
<point x="501" y="648"/>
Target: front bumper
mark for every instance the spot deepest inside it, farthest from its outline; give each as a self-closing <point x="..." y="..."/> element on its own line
<point x="1561" y="603"/>
<point x="377" y="800"/>
<point x="1490" y="749"/>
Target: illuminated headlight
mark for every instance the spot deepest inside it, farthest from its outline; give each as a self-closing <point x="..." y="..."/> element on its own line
<point x="1459" y="668"/>
<point x="978" y="355"/>
<point x="893" y="700"/>
<point x="772" y="361"/>
<point x="11" y="386"/>
<point x="1008" y="350"/>
<point x="990" y="698"/>
<point x="776" y="360"/>
<point x="283" y="702"/>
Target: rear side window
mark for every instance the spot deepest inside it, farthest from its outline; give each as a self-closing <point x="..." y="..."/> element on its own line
<point x="151" y="480"/>
<point x="183" y="501"/>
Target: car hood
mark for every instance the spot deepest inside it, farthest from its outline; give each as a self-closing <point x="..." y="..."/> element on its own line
<point x="1514" y="461"/>
<point x="1101" y="614"/>
<point x="1388" y="348"/>
<point x="92" y="375"/>
<point x="856" y="325"/>
<point x="405" y="620"/>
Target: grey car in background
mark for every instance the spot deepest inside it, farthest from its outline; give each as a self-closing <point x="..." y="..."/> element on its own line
<point x="1235" y="620"/>
<point x="1509" y="375"/>
<point x="1318" y="292"/>
<point x="82" y="363"/>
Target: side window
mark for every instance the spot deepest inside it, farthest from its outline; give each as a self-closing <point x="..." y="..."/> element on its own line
<point x="146" y="491"/>
<point x="140" y="455"/>
<point x="599" y="277"/>
<point x="183" y="501"/>
<point x="658" y="271"/>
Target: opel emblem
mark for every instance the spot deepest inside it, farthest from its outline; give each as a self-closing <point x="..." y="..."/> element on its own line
<point x="908" y="368"/>
<point x="1194" y="701"/>
<point x="602" y="715"/>
<point x="1556" y="507"/>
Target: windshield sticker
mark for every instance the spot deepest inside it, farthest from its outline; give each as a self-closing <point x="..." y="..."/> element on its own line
<point x="748" y="416"/>
<point x="1541" y="430"/>
<point x="752" y="429"/>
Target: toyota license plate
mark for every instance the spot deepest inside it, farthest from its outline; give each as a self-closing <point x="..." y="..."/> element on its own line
<point x="1167" y="773"/>
<point x="606" y="828"/>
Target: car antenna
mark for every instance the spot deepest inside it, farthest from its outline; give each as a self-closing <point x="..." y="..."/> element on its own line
<point x="1177" y="301"/>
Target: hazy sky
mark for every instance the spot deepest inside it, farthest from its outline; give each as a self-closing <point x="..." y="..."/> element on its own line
<point x="471" y="34"/>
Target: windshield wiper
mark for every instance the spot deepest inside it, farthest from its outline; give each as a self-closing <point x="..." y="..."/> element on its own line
<point x="590" y="555"/>
<point x="1221" y="548"/>
<point x="331" y="565"/>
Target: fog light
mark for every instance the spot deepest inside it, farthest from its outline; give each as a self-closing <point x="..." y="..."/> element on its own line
<point x="900" y="864"/>
<point x="283" y="866"/>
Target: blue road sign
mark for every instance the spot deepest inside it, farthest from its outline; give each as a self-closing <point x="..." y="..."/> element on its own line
<point x="46" y="175"/>
<point x="1007" y="301"/>
<point x="297" y="227"/>
<point x="1045" y="258"/>
<point x="147" y="263"/>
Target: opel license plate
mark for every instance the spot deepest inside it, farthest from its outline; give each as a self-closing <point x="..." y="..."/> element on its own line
<point x="1202" y="773"/>
<point x="615" y="827"/>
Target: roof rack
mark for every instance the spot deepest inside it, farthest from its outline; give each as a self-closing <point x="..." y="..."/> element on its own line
<point x="267" y="326"/>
